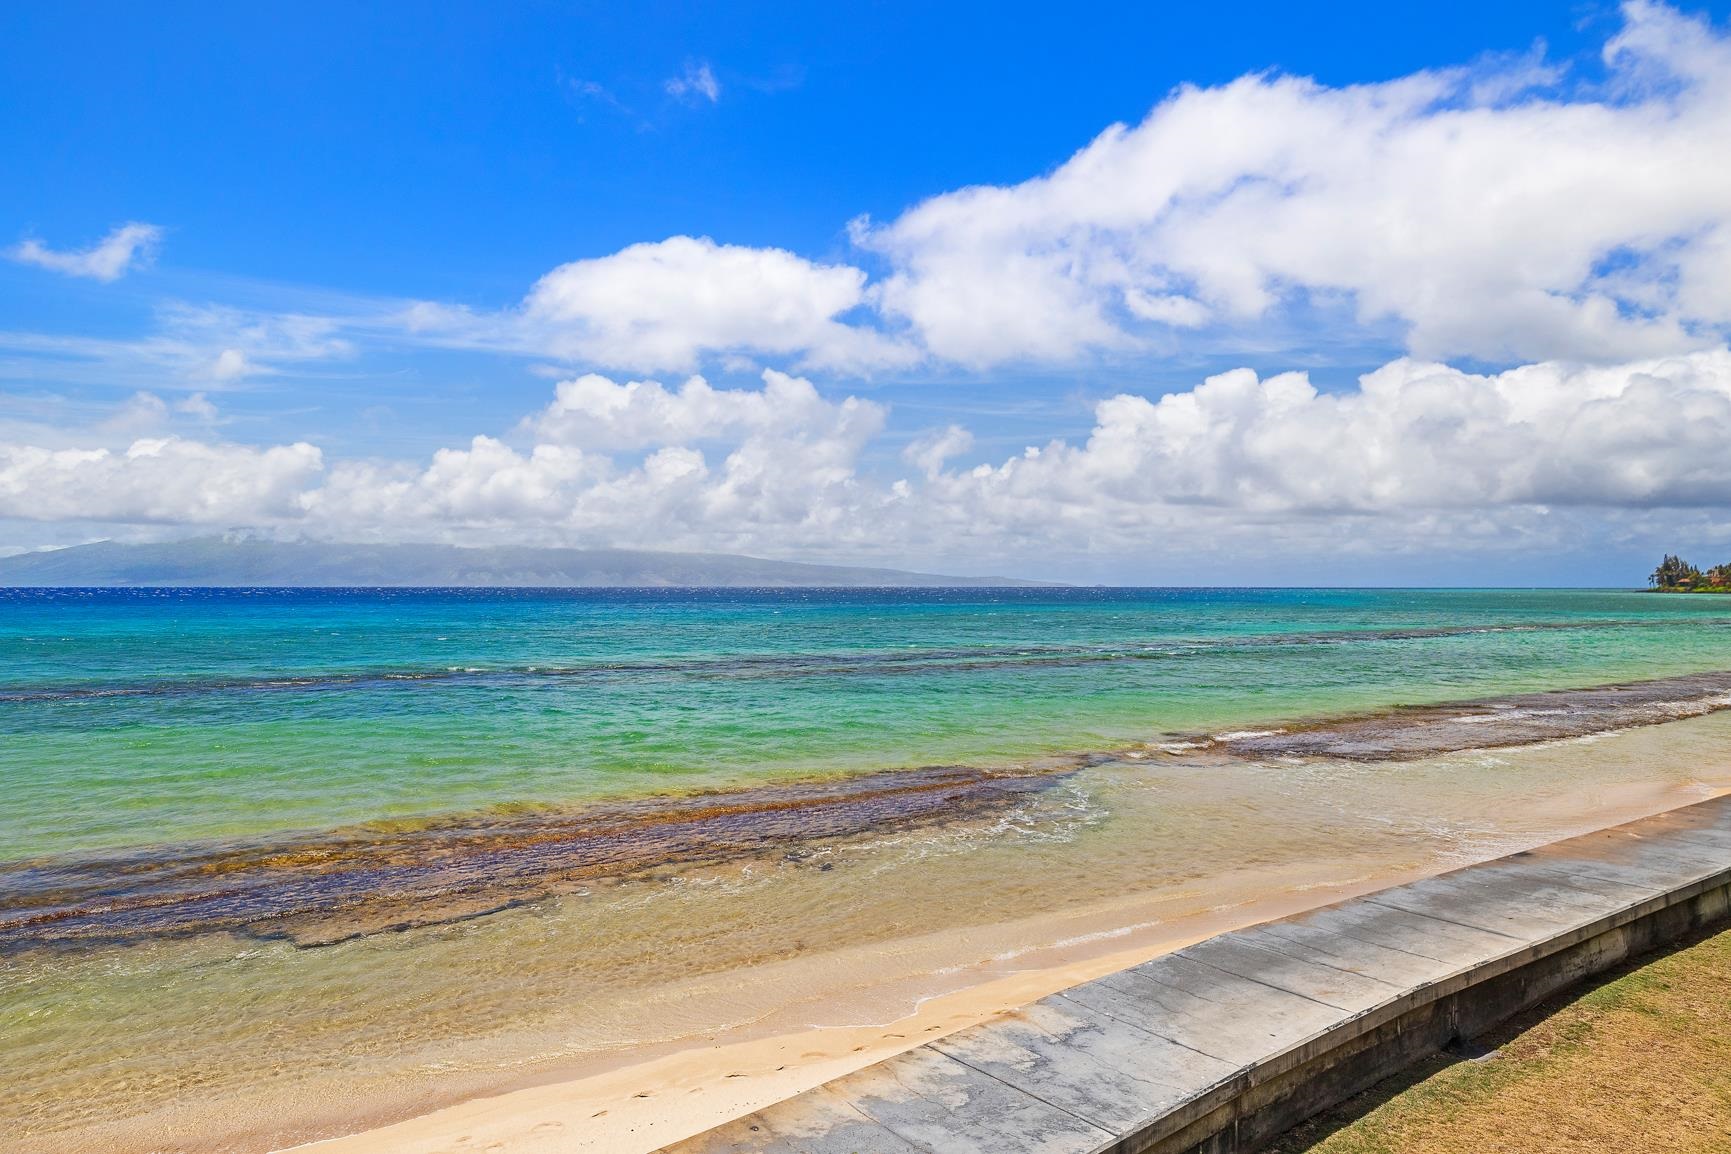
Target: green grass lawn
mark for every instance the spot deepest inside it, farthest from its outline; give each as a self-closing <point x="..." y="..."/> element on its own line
<point x="1641" y="1062"/>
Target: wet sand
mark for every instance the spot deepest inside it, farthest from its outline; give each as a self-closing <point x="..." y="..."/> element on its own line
<point x="638" y="1108"/>
<point x="1410" y="732"/>
<point x="330" y="886"/>
<point x="327" y="887"/>
<point x="246" y="997"/>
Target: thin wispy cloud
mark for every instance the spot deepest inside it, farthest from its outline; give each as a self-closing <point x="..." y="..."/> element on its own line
<point x="194" y="346"/>
<point x="588" y="94"/>
<point x="1276" y="216"/>
<point x="129" y="246"/>
<point x="697" y="83"/>
<point x="1236" y="216"/>
<point x="786" y="78"/>
<point x="591" y="90"/>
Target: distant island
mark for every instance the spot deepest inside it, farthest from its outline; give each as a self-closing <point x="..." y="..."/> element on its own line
<point x="226" y="562"/>
<point x="1675" y="575"/>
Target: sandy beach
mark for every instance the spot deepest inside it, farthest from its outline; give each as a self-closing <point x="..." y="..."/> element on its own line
<point x="640" y="1106"/>
<point x="569" y="572"/>
<point x="619" y="973"/>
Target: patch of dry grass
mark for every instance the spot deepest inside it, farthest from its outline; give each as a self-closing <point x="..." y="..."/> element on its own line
<point x="1640" y="1063"/>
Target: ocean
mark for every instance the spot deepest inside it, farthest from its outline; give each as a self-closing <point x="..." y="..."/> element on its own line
<point x="268" y="854"/>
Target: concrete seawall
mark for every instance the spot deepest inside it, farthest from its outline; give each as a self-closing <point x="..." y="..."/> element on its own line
<point x="1221" y="1046"/>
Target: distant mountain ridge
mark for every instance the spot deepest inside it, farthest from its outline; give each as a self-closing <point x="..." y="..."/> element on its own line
<point x="215" y="561"/>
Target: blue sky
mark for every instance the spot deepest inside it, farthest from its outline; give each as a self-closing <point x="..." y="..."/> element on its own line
<point x="349" y="214"/>
<point x="454" y="155"/>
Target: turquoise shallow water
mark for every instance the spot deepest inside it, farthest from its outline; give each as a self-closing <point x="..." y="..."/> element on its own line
<point x="221" y="959"/>
<point x="149" y="717"/>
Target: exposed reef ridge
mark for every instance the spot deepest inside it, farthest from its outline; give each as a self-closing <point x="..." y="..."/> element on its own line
<point x="321" y="887"/>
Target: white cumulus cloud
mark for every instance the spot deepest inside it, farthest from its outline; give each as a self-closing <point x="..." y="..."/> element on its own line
<point x="663" y="305"/>
<point x="1535" y="226"/>
<point x="930" y="451"/>
<point x="164" y="480"/>
<point x="1418" y="456"/>
<point x="633" y="463"/>
<point x="1529" y="227"/>
<point x="1509" y="211"/>
<point x="1413" y="437"/>
<point x="488" y="483"/>
<point x="596" y="412"/>
<point x="1503" y="211"/>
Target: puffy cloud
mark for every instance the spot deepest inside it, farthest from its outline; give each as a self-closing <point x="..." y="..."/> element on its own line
<point x="51" y="421"/>
<point x="167" y="480"/>
<point x="1489" y="221"/>
<point x="929" y="451"/>
<point x="784" y="464"/>
<point x="109" y="259"/>
<point x="596" y="412"/>
<point x="1414" y="437"/>
<point x="1419" y="456"/>
<point x="197" y="405"/>
<point x="486" y="484"/>
<point x="721" y="468"/>
<point x="230" y="365"/>
<point x="1498" y="211"/>
<point x="1502" y="211"/>
<point x="663" y="305"/>
<point x="138" y="413"/>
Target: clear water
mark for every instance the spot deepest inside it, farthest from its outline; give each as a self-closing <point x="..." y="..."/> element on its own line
<point x="149" y="717"/>
<point x="153" y="719"/>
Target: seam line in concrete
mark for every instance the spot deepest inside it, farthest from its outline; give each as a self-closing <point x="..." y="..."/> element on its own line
<point x="1374" y="900"/>
<point x="1360" y="974"/>
<point x="1086" y="1121"/>
<point x="1237" y="1067"/>
<point x="1385" y="945"/>
<point x="890" y="1126"/>
<point x="1261" y="982"/>
<point x="1562" y="921"/>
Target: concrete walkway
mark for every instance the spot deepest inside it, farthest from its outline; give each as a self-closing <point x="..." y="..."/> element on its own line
<point x="1220" y="1046"/>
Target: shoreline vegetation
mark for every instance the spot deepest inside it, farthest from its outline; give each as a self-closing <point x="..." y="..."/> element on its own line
<point x="1675" y="575"/>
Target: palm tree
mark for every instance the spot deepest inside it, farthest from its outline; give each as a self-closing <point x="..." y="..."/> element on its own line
<point x="1674" y="573"/>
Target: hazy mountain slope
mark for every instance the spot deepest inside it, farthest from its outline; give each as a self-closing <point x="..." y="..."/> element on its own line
<point x="215" y="561"/>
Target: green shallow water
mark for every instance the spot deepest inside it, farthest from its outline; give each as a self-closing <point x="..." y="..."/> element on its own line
<point x="151" y="717"/>
<point x="199" y="1019"/>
